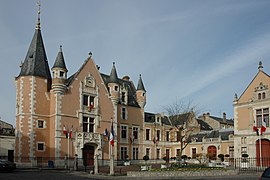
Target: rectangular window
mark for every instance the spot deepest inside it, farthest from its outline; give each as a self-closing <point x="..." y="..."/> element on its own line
<point x="147" y="134"/>
<point x="123" y="153"/>
<point x="88" y="124"/>
<point x="40" y="146"/>
<point x="147" y="152"/>
<point x="88" y="101"/>
<point x="124" y="113"/>
<point x="178" y="152"/>
<point x="135" y="153"/>
<point x="124" y="132"/>
<point x="40" y="124"/>
<point x="193" y="153"/>
<point x="135" y="133"/>
<point x="158" y="154"/>
<point x="262" y="114"/>
<point x="231" y="151"/>
<point x="244" y="150"/>
<point x="123" y="97"/>
<point x="158" y="135"/>
<point x="178" y="136"/>
<point x="167" y="135"/>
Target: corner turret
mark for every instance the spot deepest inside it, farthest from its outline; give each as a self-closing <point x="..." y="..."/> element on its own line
<point x="141" y="93"/>
<point x="59" y="71"/>
<point x="113" y="85"/>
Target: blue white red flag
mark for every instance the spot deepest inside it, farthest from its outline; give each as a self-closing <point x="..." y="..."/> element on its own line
<point x="112" y="135"/>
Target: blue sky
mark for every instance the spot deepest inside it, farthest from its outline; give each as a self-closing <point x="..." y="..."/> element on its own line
<point x="203" y="51"/>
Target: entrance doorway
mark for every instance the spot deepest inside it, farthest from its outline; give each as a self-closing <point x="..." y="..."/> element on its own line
<point x="265" y="152"/>
<point x="88" y="155"/>
<point x="212" y="152"/>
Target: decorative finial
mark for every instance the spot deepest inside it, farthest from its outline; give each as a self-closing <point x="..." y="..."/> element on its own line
<point x="140" y="75"/>
<point x="235" y="98"/>
<point x="113" y="63"/>
<point x="90" y="54"/>
<point x="60" y="48"/>
<point x="260" y="66"/>
<point x="38" y="21"/>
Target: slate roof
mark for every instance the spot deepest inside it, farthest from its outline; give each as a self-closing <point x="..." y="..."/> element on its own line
<point x="179" y="119"/>
<point x="128" y="84"/>
<point x="113" y="76"/>
<point x="204" y="126"/>
<point x="222" y="133"/>
<point x="140" y="84"/>
<point x="228" y="121"/>
<point x="150" y="118"/>
<point x="36" y="63"/>
<point x="59" y="61"/>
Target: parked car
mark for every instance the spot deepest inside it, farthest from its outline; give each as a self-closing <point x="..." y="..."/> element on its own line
<point x="6" y="166"/>
<point x="265" y="174"/>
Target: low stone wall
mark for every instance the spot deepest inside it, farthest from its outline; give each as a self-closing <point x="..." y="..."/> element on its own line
<point x="223" y="172"/>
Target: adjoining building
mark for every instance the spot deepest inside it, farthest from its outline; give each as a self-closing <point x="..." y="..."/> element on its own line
<point x="251" y="119"/>
<point x="7" y="140"/>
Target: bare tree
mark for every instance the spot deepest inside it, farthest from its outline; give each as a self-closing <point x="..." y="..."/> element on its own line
<point x="183" y="118"/>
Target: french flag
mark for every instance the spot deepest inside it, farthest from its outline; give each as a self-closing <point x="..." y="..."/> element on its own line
<point x="263" y="128"/>
<point x="112" y="135"/>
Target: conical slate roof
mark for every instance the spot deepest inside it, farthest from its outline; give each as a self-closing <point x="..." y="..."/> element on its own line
<point x="59" y="61"/>
<point x="140" y="84"/>
<point x="113" y="75"/>
<point x="35" y="63"/>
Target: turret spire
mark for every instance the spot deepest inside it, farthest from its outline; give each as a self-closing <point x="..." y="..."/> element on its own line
<point x="60" y="61"/>
<point x="140" y="84"/>
<point x="113" y="75"/>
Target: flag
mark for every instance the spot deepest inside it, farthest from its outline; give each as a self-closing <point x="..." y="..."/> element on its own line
<point x="106" y="133"/>
<point x="131" y="138"/>
<point x="70" y="132"/>
<point x="112" y="135"/>
<point x="91" y="106"/>
<point x="65" y="131"/>
<point x="256" y="129"/>
<point x="263" y="128"/>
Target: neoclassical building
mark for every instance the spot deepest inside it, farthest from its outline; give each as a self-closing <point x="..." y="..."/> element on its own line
<point x="59" y="115"/>
<point x="251" y="110"/>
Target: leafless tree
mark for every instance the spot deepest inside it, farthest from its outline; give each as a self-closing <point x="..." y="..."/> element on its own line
<point x="183" y="118"/>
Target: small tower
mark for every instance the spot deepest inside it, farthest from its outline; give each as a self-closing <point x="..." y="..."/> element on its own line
<point x="114" y="86"/>
<point x="59" y="71"/>
<point x="141" y="93"/>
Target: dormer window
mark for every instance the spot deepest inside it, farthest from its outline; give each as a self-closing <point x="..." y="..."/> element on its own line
<point x="116" y="88"/>
<point x="259" y="96"/>
<point x="263" y="95"/>
<point x="123" y="97"/>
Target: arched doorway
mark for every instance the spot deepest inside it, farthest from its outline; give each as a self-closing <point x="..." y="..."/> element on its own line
<point x="88" y="154"/>
<point x="212" y="152"/>
<point x="265" y="152"/>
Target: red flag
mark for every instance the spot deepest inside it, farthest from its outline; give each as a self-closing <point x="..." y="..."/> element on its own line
<point x="256" y="129"/>
<point x="65" y="130"/>
<point x="263" y="128"/>
<point x="70" y="132"/>
<point x="112" y="135"/>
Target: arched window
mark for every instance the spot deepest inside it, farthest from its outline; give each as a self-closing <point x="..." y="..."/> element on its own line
<point x="259" y="96"/>
<point x="263" y="95"/>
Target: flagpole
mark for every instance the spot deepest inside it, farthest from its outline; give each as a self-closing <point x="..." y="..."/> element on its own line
<point x="260" y="144"/>
<point x="111" y="151"/>
<point x="68" y="150"/>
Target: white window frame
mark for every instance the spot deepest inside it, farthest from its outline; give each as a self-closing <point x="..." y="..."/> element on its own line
<point x="44" y="147"/>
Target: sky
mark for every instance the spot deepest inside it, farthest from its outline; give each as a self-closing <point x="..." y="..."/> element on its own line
<point x="198" y="51"/>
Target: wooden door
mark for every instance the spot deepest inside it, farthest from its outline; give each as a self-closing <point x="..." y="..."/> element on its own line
<point x="88" y="154"/>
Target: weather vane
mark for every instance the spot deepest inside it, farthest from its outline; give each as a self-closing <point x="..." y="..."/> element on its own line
<point x="38" y="23"/>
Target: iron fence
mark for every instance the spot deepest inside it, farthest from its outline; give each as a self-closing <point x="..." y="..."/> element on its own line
<point x="241" y="164"/>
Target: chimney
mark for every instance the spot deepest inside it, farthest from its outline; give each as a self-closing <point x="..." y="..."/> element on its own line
<point x="224" y="117"/>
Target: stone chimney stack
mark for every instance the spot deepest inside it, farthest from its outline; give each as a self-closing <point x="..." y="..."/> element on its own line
<point x="224" y="117"/>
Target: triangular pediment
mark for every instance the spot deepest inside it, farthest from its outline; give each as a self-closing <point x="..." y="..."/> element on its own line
<point x="257" y="89"/>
